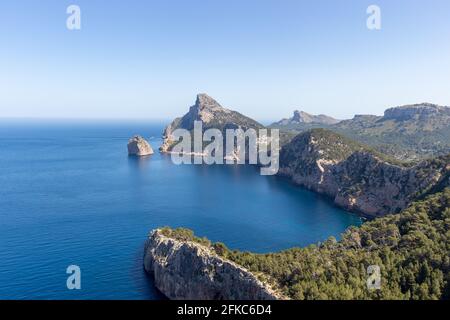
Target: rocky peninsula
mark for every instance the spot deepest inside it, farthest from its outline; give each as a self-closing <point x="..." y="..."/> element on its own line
<point x="185" y="267"/>
<point x="409" y="200"/>
<point x="212" y="115"/>
<point x="411" y="249"/>
<point x="356" y="177"/>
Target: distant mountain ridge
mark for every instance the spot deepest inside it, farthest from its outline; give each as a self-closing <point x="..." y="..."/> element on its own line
<point x="410" y="132"/>
<point x="304" y="117"/>
<point x="416" y="111"/>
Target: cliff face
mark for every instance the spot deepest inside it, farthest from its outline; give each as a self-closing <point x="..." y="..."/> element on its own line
<point x="355" y="177"/>
<point x="212" y="115"/>
<point x="138" y="146"/>
<point x="416" y="241"/>
<point x="424" y="112"/>
<point x="186" y="270"/>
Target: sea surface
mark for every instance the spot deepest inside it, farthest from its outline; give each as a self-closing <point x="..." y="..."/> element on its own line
<point x="70" y="195"/>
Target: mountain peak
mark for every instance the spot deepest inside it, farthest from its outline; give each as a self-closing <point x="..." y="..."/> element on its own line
<point x="204" y="101"/>
<point x="301" y="116"/>
<point x="212" y="115"/>
<point x="304" y="117"/>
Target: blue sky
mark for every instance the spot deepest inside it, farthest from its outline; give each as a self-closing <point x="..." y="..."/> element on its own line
<point x="264" y="58"/>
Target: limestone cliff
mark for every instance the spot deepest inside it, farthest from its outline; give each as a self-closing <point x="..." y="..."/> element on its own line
<point x="212" y="115"/>
<point x="356" y="177"/>
<point x="188" y="270"/>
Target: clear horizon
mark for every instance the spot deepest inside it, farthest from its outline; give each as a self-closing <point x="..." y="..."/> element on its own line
<point x="149" y="119"/>
<point x="147" y="60"/>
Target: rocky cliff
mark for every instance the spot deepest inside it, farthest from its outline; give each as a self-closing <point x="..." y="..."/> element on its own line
<point x="138" y="146"/>
<point x="186" y="269"/>
<point x="422" y="111"/>
<point x="356" y="177"/>
<point x="411" y="249"/>
<point x="212" y="115"/>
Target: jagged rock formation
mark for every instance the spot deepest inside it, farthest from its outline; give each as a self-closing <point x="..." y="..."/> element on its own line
<point x="138" y="146"/>
<point x="188" y="270"/>
<point x="411" y="132"/>
<point x="212" y="115"/>
<point x="301" y="117"/>
<point x="356" y="177"/>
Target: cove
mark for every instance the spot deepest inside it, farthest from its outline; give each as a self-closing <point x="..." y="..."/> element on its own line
<point x="71" y="196"/>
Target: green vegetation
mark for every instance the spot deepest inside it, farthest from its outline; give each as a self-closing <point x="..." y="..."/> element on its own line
<point x="408" y="133"/>
<point x="183" y="234"/>
<point x="411" y="248"/>
<point x="332" y="146"/>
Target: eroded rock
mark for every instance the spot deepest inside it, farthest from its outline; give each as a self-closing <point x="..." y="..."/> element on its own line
<point x="187" y="270"/>
<point x="138" y="146"/>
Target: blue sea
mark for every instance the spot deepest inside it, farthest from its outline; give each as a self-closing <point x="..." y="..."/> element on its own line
<point x="70" y="195"/>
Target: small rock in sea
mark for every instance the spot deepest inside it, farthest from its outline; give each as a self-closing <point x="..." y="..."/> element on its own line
<point x="138" y="146"/>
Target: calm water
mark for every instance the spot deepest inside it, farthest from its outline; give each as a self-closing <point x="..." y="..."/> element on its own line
<point x="69" y="194"/>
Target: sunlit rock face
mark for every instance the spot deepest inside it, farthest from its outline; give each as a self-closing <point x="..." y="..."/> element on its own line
<point x="356" y="177"/>
<point x="138" y="146"/>
<point x="187" y="270"/>
<point x="212" y="116"/>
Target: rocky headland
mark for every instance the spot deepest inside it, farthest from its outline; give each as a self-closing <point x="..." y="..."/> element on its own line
<point x="410" y="201"/>
<point x="356" y="177"/>
<point x="185" y="267"/>
<point x="410" y="248"/>
<point x="212" y="115"/>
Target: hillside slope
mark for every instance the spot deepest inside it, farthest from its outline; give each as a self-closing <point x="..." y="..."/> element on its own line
<point x="409" y="132"/>
<point x="356" y="177"/>
<point x="411" y="249"/>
